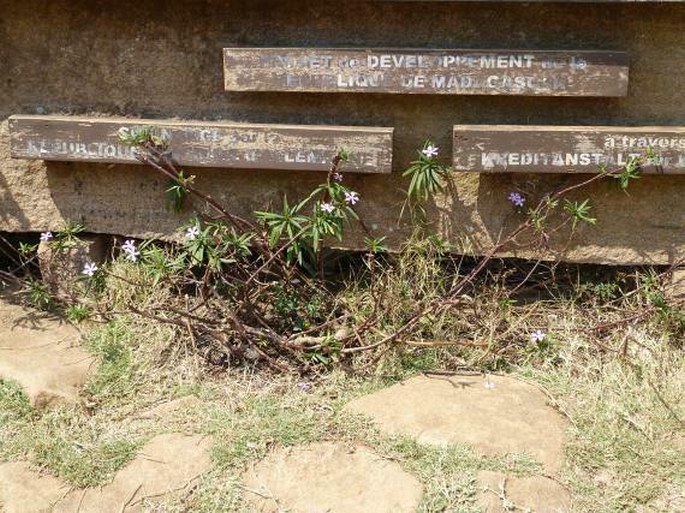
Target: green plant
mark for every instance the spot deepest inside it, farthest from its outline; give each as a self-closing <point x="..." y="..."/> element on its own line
<point x="323" y="214"/>
<point x="579" y="212"/>
<point x="670" y="316"/>
<point x="257" y="290"/>
<point x="68" y="236"/>
<point x="27" y="250"/>
<point x="39" y="295"/>
<point x="77" y="313"/>
<point x="112" y="344"/>
<point x="88" y="462"/>
<point x="375" y="245"/>
<point x="176" y="191"/>
<point x="426" y="174"/>
<point x="631" y="171"/>
<point x="160" y="263"/>
<point x="14" y="405"/>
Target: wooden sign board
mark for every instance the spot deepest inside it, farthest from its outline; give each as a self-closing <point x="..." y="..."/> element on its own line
<point x="548" y="1"/>
<point x="566" y="149"/>
<point x="211" y="144"/>
<point x="413" y="71"/>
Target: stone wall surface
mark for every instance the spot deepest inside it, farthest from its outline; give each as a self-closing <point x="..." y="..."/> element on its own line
<point x="160" y="59"/>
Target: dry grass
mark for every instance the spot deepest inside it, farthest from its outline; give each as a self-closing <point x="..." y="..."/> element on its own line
<point x="621" y="386"/>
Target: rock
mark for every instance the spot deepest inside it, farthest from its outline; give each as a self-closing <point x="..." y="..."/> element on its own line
<point x="511" y="417"/>
<point x="500" y="493"/>
<point x="42" y="354"/>
<point x="24" y="491"/>
<point x="166" y="464"/>
<point x="328" y="477"/>
<point x="170" y="407"/>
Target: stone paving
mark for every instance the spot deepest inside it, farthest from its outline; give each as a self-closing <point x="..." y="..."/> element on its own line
<point x="168" y="463"/>
<point x="494" y="416"/>
<point x="42" y="354"/>
<point x="330" y="477"/>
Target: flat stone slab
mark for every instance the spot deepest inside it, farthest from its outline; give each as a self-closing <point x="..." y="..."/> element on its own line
<point x="494" y="417"/>
<point x="330" y="478"/>
<point x="170" y="408"/>
<point x="168" y="463"/>
<point x="42" y="354"/>
<point x="502" y="494"/>
<point x="23" y="490"/>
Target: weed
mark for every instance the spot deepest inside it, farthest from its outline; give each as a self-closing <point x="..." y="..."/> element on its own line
<point x="77" y="313"/>
<point x="112" y="345"/>
<point x="83" y="453"/>
<point x="426" y="174"/>
<point x="39" y="295"/>
<point x="265" y="420"/>
<point x="14" y="405"/>
<point x="68" y="237"/>
<point x="623" y="422"/>
<point x="241" y="291"/>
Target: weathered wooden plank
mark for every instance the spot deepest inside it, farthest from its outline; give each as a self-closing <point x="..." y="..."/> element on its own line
<point x="566" y="149"/>
<point x="205" y="144"/>
<point x="417" y="71"/>
<point x="548" y="1"/>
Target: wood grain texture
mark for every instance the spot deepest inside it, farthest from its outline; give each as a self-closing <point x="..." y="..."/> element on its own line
<point x="422" y="71"/>
<point x="566" y="149"/>
<point x="211" y="144"/>
<point x="548" y="1"/>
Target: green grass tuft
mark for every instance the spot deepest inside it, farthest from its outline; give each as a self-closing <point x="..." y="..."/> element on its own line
<point x="14" y="404"/>
<point x="113" y="346"/>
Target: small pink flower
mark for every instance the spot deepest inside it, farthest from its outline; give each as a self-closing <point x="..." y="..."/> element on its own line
<point x="431" y="151"/>
<point x="192" y="232"/>
<point x="537" y="336"/>
<point x="351" y="198"/>
<point x="45" y="236"/>
<point x="132" y="253"/>
<point x="327" y="207"/>
<point x="305" y="386"/>
<point x="337" y="177"/>
<point x="89" y="269"/>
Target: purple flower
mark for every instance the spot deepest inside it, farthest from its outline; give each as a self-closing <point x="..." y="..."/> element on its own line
<point x="327" y="207"/>
<point x="351" y="198"/>
<point x="337" y="177"/>
<point x="517" y="199"/>
<point x="89" y="269"/>
<point x="129" y="247"/>
<point x="538" y="336"/>
<point x="45" y="236"/>
<point x="305" y="386"/>
<point x="192" y="232"/>
<point x="430" y="151"/>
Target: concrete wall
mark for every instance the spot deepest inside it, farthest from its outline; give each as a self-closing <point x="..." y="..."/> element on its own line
<point x="161" y="59"/>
